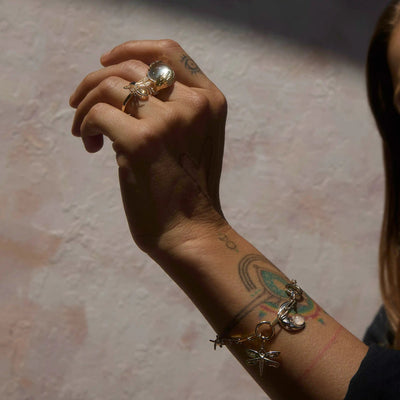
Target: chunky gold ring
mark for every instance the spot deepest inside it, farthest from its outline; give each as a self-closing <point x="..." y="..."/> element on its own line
<point x="159" y="76"/>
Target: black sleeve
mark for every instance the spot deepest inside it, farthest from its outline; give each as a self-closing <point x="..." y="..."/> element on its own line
<point x="378" y="377"/>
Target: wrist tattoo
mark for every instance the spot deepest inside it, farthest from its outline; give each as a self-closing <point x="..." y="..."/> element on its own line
<point x="228" y="243"/>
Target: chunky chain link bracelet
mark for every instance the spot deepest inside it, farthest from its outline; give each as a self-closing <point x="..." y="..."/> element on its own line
<point x="265" y="330"/>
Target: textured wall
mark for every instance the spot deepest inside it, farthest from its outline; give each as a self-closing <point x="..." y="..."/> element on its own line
<point x="84" y="315"/>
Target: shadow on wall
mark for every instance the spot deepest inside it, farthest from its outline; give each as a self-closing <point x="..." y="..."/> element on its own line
<point x="340" y="26"/>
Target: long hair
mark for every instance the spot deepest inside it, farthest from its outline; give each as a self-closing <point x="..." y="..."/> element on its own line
<point x="380" y="95"/>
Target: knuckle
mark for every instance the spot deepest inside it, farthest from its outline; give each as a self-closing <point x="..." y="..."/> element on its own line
<point x="199" y="101"/>
<point x="125" y="145"/>
<point x="118" y="147"/>
<point x="125" y="46"/>
<point x="221" y="104"/>
<point x="109" y="83"/>
<point x="89" y="79"/>
<point x="140" y="144"/>
<point x="149" y="135"/>
<point x="90" y="76"/>
<point x="150" y="142"/>
<point x="92" y="119"/>
<point x="95" y="112"/>
<point x="220" y="100"/>
<point x="130" y="66"/>
<point x="167" y="44"/>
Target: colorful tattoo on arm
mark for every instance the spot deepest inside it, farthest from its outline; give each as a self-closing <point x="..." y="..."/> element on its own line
<point x="267" y="288"/>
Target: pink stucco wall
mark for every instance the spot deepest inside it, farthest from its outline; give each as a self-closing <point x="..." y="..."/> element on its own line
<point x="84" y="315"/>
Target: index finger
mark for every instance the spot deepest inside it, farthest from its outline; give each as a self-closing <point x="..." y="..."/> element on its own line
<point x="186" y="69"/>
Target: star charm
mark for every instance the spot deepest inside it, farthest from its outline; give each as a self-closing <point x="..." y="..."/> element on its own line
<point x="217" y="342"/>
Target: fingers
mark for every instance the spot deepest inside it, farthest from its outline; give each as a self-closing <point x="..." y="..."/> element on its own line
<point x="110" y="91"/>
<point x="104" y="119"/>
<point x="91" y="122"/>
<point x="186" y="69"/>
<point x="132" y="70"/>
<point x="190" y="98"/>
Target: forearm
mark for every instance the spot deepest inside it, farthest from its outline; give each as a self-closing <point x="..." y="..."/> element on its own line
<point x="236" y="287"/>
<point x="169" y="152"/>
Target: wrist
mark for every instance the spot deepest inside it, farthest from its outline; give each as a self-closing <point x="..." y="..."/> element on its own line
<point x="188" y="236"/>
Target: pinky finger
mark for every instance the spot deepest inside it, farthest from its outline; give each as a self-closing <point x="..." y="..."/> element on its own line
<point x="105" y="120"/>
<point x="93" y="143"/>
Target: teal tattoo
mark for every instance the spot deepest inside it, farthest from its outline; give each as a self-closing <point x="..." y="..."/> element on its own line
<point x="267" y="289"/>
<point x="276" y="284"/>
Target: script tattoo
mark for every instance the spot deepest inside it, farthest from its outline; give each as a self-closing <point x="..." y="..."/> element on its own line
<point x="228" y="243"/>
<point x="190" y="64"/>
<point x="267" y="288"/>
<point x="193" y="169"/>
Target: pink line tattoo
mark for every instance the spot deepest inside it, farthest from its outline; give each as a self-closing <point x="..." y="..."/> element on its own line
<point x="322" y="352"/>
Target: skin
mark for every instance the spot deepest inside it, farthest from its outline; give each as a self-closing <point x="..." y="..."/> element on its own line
<point x="169" y="156"/>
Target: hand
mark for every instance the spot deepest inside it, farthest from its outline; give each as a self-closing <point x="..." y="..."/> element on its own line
<point x="169" y="150"/>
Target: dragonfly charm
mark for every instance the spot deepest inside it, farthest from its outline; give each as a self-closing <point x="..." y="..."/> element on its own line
<point x="261" y="357"/>
<point x="287" y="318"/>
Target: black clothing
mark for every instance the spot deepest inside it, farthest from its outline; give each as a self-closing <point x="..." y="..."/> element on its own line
<point x="378" y="377"/>
<point x="379" y="332"/>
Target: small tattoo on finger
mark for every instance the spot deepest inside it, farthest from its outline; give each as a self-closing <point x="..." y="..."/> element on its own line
<point x="190" y="64"/>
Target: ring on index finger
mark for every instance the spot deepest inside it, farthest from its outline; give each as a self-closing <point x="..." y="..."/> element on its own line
<point x="159" y="76"/>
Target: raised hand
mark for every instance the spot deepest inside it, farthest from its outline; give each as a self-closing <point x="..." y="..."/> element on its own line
<point x="168" y="148"/>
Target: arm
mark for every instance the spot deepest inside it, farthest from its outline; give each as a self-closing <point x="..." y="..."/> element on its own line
<point x="169" y="154"/>
<point x="235" y="286"/>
